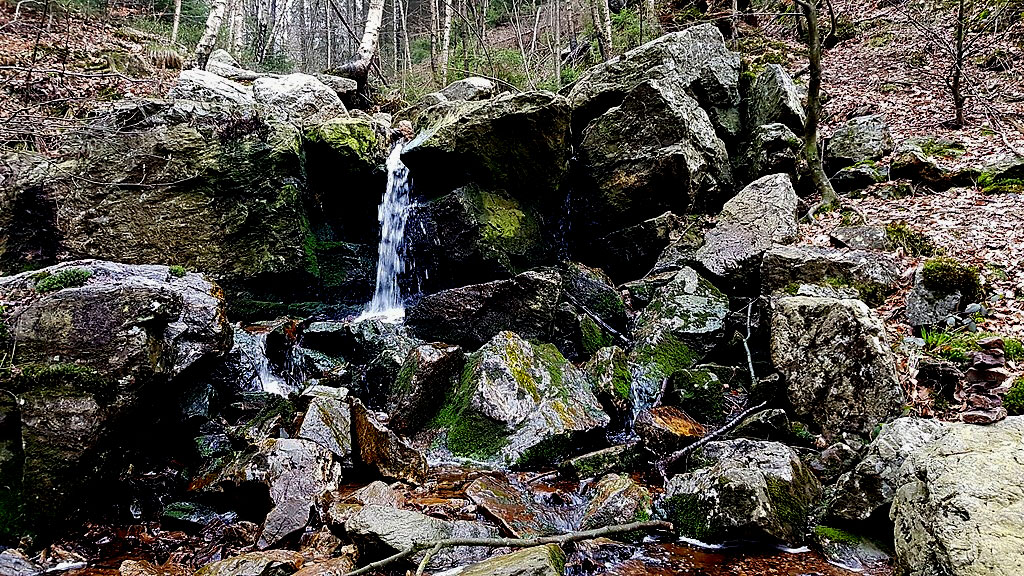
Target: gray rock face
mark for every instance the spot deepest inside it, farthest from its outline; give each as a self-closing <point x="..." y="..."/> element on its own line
<point x="631" y="252"/>
<point x="615" y="499"/>
<point x="472" y="88"/>
<point x="772" y="149"/>
<point x="515" y="142"/>
<point x="384" y="530"/>
<point x="838" y="369"/>
<point x="872" y="484"/>
<point x="328" y="422"/>
<point x="697" y="57"/>
<point x="865" y="138"/>
<point x="743" y="489"/>
<point x="514" y="396"/>
<point x="873" y="275"/>
<point x="922" y="160"/>
<point x="472" y="315"/>
<point x="383" y="451"/>
<point x="343" y="87"/>
<point x="774" y="99"/>
<point x="427" y="373"/>
<point x="959" y="508"/>
<point x="546" y="560"/>
<point x="203" y="86"/>
<point x="863" y="237"/>
<point x="295" y="472"/>
<point x="762" y="214"/>
<point x="656" y="151"/>
<point x="92" y="336"/>
<point x="263" y="563"/>
<point x="302" y="98"/>
<point x="926" y="308"/>
<point x="859" y="177"/>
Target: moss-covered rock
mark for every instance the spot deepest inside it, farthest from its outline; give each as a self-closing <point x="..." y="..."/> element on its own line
<point x="609" y="370"/>
<point x="699" y="392"/>
<point x="862" y="140"/>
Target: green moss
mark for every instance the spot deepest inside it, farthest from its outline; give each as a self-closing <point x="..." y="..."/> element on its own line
<point x="547" y="452"/>
<point x="688" y="516"/>
<point x="403" y="382"/>
<point x="801" y="432"/>
<point x="177" y="271"/>
<point x="520" y="368"/>
<point x="789" y="509"/>
<point x="944" y="276"/>
<point x="942" y="147"/>
<point x="836" y="535"/>
<point x="667" y="354"/>
<point x="67" y="278"/>
<point x="593" y="336"/>
<point x="1014" y="400"/>
<point x="469" y="433"/>
<point x="990" y="185"/>
<point x="901" y="235"/>
<point x="61" y="379"/>
<point x="622" y="380"/>
<point x="351" y="137"/>
<point x="700" y="394"/>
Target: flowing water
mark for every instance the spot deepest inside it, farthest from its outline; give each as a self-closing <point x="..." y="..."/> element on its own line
<point x="392" y="215"/>
<point x="251" y="343"/>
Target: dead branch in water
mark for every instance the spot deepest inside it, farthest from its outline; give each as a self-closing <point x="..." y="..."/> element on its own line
<point x="671" y="459"/>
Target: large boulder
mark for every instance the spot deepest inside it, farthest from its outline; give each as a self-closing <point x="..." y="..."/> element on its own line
<point x="771" y="149"/>
<point x="203" y="86"/>
<point x="930" y="161"/>
<point x="698" y="57"/>
<point x="90" y="343"/>
<point x="959" y="508"/>
<point x="861" y="139"/>
<point x="382" y="451"/>
<point x="774" y="99"/>
<point x="417" y="392"/>
<point x="874" y="275"/>
<point x="301" y="97"/>
<point x="743" y="490"/>
<point x="472" y="315"/>
<point x="517" y="403"/>
<point x="839" y="372"/>
<point x="871" y="485"/>
<point x="630" y="253"/>
<point x="472" y="88"/>
<point x="515" y="142"/>
<point x="656" y="151"/>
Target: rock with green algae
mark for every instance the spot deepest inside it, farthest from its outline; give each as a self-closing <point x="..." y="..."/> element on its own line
<point x="774" y="99"/>
<point x="959" y="509"/>
<point x="1003" y="177"/>
<point x="861" y="140"/>
<point x="90" y="347"/>
<point x="615" y="499"/>
<point x="656" y="151"/>
<point x="472" y="235"/>
<point x="517" y="402"/>
<point x="942" y="287"/>
<point x="928" y="160"/>
<point x="260" y="563"/>
<point x="874" y="275"/>
<point x="849" y="550"/>
<point x="592" y="289"/>
<point x="608" y="369"/>
<point x="743" y="490"/>
<point x="514" y="142"/>
<point x="418" y="391"/>
<point x="544" y="560"/>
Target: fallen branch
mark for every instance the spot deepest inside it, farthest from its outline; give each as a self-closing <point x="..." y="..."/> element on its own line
<point x="671" y="459"/>
<point x="615" y="333"/>
<point x="435" y="546"/>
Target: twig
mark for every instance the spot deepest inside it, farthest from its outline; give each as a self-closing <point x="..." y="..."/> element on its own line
<point x="746" y="345"/>
<point x="435" y="545"/>
<point x="427" y="558"/>
<point x="597" y="319"/>
<point x="671" y="459"/>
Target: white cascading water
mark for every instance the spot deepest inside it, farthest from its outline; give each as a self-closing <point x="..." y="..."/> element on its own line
<point x="392" y="214"/>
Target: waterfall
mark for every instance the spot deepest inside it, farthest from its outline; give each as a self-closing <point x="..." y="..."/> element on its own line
<point x="251" y="344"/>
<point x="392" y="215"/>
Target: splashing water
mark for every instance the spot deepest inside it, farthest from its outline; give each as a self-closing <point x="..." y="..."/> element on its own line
<point x="251" y="343"/>
<point x="392" y="215"/>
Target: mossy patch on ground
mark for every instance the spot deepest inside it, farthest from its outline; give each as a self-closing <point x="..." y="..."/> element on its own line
<point x="943" y="276"/>
<point x="1014" y="400"/>
<point x="914" y="243"/>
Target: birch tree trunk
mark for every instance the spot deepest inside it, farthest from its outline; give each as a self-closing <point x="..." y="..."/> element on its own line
<point x="605" y="13"/>
<point x="359" y="67"/>
<point x="446" y="39"/>
<point x="177" y="20"/>
<point x="557" y="52"/>
<point x="213" y="22"/>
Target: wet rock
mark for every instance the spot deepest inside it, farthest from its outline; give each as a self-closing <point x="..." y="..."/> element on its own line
<point x="656" y="151"/>
<point x="302" y="98"/>
<point x="958" y="508"/>
<point x="762" y="214"/>
<point x="428" y="372"/>
<point x="774" y="99"/>
<point x="15" y="564"/>
<point x="861" y="139"/>
<point x="873" y="275"/>
<point x="631" y="252"/>
<point x="382" y="531"/>
<point x="546" y="560"/>
<point x="608" y="369"/>
<point x="383" y="451"/>
<point x="472" y="88"/>
<point x="590" y="288"/>
<point x="697" y="56"/>
<point x="871" y="485"/>
<point x="187" y="516"/>
<point x="265" y="563"/>
<point x="145" y="568"/>
<point x="514" y="508"/>
<point x="203" y="86"/>
<point x="294" y="472"/>
<point x="592" y="556"/>
<point x="699" y="392"/>
<point x="329" y="567"/>
<point x="665" y="429"/>
<point x="838" y="370"/>
<point x="772" y="424"/>
<point x="772" y="149"/>
<point x="743" y="489"/>
<point x="517" y="402"/>
<point x="514" y="142"/>
<point x="341" y="507"/>
<point x="618" y="458"/>
<point x="863" y="237"/>
<point x="616" y="499"/>
<point x="850" y="551"/>
<point x="473" y="235"/>
<point x="472" y="315"/>
<point x="95" y="341"/>
<point x="328" y="422"/>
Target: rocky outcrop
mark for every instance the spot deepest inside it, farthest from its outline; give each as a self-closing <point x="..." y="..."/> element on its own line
<point x="328" y="421"/>
<point x="517" y="403"/>
<point x="774" y="99"/>
<point x="301" y="98"/>
<point x="863" y="139"/>
<point x="631" y="252"/>
<point x="472" y="88"/>
<point x="743" y="490"/>
<point x="203" y="86"/>
<point x="656" y="151"/>
<point x="417" y="392"/>
<point x="93" y="340"/>
<point x="771" y="149"/>
<point x="384" y="452"/>
<point x="697" y="57"/>
<point x="959" y="509"/>
<point x="472" y="315"/>
<point x="871" y="485"/>
<point x="873" y="275"/>
<point x="839" y="372"/>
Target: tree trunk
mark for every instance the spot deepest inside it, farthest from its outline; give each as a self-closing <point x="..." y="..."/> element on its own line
<point x="177" y="20"/>
<point x="606" y="26"/>
<point x="446" y="39"/>
<point x="213" y="22"/>
<point x="558" y="45"/>
<point x="359" y="67"/>
<point x="956" y="84"/>
<point x="829" y="199"/>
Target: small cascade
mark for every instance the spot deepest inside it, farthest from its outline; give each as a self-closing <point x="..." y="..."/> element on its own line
<point x="392" y="215"/>
<point x="259" y="374"/>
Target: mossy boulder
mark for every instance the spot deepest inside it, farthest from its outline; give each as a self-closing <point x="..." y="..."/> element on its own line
<point x="859" y="176"/>
<point x="544" y="560"/>
<point x="428" y="372"/>
<point x="616" y="499"/>
<point x="656" y="151"/>
<point x="517" y="403"/>
<point x="699" y="392"/>
<point x="860" y="140"/>
<point x="609" y="371"/>
<point x="1001" y="178"/>
<point x="773" y="98"/>
<point x="942" y="287"/>
<point x="871" y="274"/>
<point x="743" y="490"/>
<point x="929" y="160"/>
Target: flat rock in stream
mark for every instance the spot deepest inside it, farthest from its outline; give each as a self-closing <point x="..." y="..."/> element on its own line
<point x="546" y="560"/>
<point x="263" y="563"/>
<point x="616" y="499"/>
<point x="515" y="508"/>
